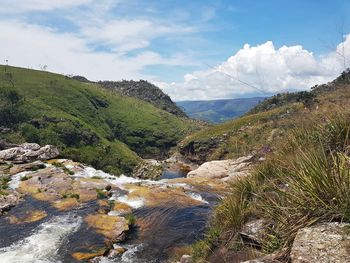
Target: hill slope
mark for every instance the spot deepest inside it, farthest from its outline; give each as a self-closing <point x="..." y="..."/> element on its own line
<point x="262" y="127"/>
<point x="145" y="91"/>
<point x="217" y="111"/>
<point x="89" y="124"/>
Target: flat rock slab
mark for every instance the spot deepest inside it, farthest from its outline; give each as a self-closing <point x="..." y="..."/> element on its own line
<point x="223" y="168"/>
<point x="324" y="243"/>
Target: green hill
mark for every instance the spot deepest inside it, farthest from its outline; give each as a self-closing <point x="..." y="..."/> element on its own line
<point x="267" y="123"/>
<point x="88" y="123"/>
<point x="146" y="91"/>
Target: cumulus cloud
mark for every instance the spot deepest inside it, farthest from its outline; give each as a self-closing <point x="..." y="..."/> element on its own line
<point x="259" y="70"/>
<point x="31" y="45"/>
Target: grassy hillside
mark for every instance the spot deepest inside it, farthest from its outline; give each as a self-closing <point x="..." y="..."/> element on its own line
<point x="146" y="91"/>
<point x="86" y="122"/>
<point x="266" y="124"/>
<point x="218" y="111"/>
<point x="304" y="180"/>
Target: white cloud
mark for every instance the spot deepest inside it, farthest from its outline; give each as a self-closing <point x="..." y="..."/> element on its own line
<point x="264" y="68"/>
<point x="21" y="6"/>
<point x="31" y="45"/>
<point x="126" y="35"/>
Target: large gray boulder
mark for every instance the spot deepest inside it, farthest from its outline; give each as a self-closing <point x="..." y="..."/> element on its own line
<point x="28" y="152"/>
<point x="225" y="169"/>
<point x="324" y="243"/>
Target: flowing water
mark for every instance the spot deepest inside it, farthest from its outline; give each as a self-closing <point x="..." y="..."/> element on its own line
<point x="162" y="227"/>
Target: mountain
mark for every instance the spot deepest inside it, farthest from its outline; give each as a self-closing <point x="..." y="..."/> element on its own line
<point x="266" y="123"/>
<point x="88" y="123"/>
<point x="217" y="111"/>
<point x="146" y="91"/>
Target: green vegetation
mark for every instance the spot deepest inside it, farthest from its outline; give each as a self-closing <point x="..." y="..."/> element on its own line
<point x="131" y="218"/>
<point x="303" y="181"/>
<point x="101" y="194"/>
<point x="89" y="124"/>
<point x="4" y="180"/>
<point x="25" y="178"/>
<point x="71" y="195"/>
<point x="64" y="168"/>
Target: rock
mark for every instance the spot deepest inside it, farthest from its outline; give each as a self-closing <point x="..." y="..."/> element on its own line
<point x="116" y="251"/>
<point x="323" y="243"/>
<point x="112" y="227"/>
<point x="84" y="256"/>
<point x="28" y="217"/>
<point x="30" y="146"/>
<point x="48" y="152"/>
<point x="149" y="169"/>
<point x="186" y="259"/>
<point x="8" y="201"/>
<point x="29" y="152"/>
<point x="253" y="232"/>
<point x="27" y="167"/>
<point x="222" y="169"/>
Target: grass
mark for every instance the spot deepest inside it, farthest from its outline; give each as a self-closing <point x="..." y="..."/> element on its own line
<point x="71" y="195"/>
<point x="88" y="123"/>
<point x="25" y="178"/>
<point x="100" y="194"/>
<point x="305" y="182"/>
<point x="240" y="136"/>
<point x="131" y="218"/>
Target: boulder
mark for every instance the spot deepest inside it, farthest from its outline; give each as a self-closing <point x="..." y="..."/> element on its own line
<point x="112" y="227"/>
<point x="8" y="201"/>
<point x="253" y="232"/>
<point x="323" y="243"/>
<point x="223" y="169"/>
<point x="29" y="152"/>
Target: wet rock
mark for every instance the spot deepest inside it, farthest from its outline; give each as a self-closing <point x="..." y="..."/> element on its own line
<point x="223" y="169"/>
<point x="29" y="152"/>
<point x="28" y="217"/>
<point x="112" y="227"/>
<point x="84" y="256"/>
<point x="324" y="243"/>
<point x="8" y="201"/>
<point x="116" y="251"/>
<point x="253" y="232"/>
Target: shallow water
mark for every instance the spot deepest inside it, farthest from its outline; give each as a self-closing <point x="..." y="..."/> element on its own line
<point x="159" y="231"/>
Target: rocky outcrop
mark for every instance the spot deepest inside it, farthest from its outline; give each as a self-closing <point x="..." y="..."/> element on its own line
<point x="28" y="152"/>
<point x="9" y="200"/>
<point x="324" y="243"/>
<point x="148" y="169"/>
<point x="227" y="169"/>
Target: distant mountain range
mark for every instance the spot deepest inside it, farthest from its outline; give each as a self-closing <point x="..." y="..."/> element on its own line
<point x="217" y="111"/>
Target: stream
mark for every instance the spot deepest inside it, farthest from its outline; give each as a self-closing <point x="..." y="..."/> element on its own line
<point x="171" y="214"/>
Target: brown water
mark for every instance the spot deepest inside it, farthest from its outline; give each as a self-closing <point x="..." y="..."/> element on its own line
<point x="167" y="221"/>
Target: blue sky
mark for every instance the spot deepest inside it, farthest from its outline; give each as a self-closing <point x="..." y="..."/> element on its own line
<point x="189" y="48"/>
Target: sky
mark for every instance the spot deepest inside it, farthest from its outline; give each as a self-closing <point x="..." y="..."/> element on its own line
<point x="191" y="49"/>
